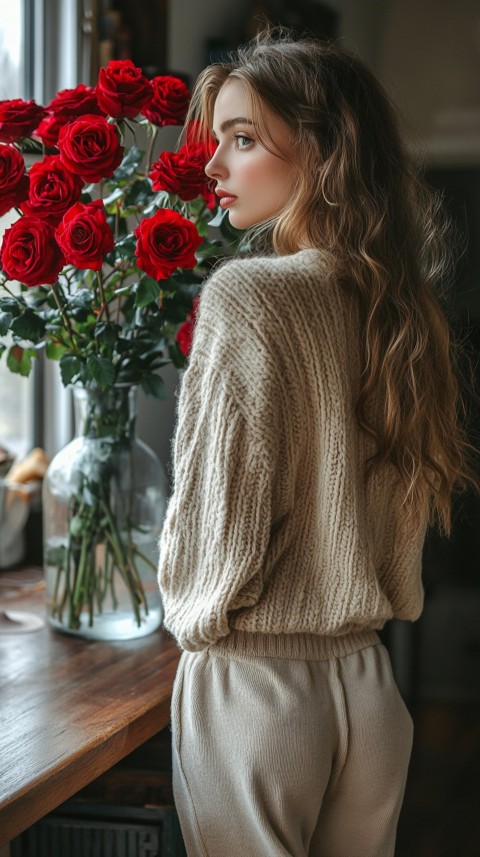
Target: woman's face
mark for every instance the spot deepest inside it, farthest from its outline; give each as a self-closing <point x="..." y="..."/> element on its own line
<point x="253" y="183"/>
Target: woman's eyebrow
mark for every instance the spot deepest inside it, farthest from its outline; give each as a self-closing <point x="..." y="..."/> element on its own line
<point x="238" y="120"/>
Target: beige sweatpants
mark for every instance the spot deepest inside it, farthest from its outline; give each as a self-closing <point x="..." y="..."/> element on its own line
<point x="277" y="756"/>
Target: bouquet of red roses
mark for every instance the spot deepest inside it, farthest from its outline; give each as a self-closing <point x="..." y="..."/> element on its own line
<point x="110" y="247"/>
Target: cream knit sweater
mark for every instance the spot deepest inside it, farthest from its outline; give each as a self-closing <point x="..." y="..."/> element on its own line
<point x="271" y="528"/>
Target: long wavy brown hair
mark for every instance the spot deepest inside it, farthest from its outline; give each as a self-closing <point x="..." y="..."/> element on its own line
<point x="359" y="199"/>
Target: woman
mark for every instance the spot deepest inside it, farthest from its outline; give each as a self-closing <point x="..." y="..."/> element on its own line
<point x="317" y="438"/>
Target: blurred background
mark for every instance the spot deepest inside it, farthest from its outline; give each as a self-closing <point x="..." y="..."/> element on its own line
<point x="427" y="54"/>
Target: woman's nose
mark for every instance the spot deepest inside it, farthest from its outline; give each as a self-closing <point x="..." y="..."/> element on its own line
<point x="215" y="168"/>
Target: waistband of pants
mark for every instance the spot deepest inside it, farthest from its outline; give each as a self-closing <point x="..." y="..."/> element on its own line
<point x="304" y="647"/>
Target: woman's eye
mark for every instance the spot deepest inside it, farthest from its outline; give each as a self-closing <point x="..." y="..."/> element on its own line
<point x="242" y="141"/>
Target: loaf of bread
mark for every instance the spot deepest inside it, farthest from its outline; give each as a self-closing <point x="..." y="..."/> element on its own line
<point x="29" y="469"/>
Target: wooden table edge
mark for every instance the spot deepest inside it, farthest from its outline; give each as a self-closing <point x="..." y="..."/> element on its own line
<point x="27" y="807"/>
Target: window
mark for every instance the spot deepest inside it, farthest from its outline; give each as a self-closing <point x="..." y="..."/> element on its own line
<point x="16" y="410"/>
<point x="45" y="46"/>
<point x="11" y="50"/>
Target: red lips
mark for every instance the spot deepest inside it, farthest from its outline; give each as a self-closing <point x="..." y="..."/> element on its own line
<point x="225" y="198"/>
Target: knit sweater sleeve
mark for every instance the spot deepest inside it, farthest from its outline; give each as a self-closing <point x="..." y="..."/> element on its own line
<point x="217" y="525"/>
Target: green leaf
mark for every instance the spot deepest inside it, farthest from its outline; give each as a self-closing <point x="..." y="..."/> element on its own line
<point x="178" y="358"/>
<point x="5" y="321"/>
<point x="44" y="304"/>
<point x="163" y="199"/>
<point x="147" y="292"/>
<point x="101" y="370"/>
<point x="70" y="367"/>
<point x="202" y="228"/>
<point x="159" y="363"/>
<point x="128" y="308"/>
<point x="147" y="353"/>
<point x="79" y="277"/>
<point x="125" y="248"/>
<point x="116" y="194"/>
<point x="107" y="333"/>
<point x="140" y="194"/>
<point x="197" y="207"/>
<point x="19" y="360"/>
<point x="129" y="165"/>
<point x="8" y="304"/>
<point x="79" y="304"/>
<point x="174" y="310"/>
<point x="79" y="314"/>
<point x="123" y="345"/>
<point x="153" y="386"/>
<point x="28" y="326"/>
<point x="54" y="350"/>
<point x="206" y="251"/>
<point x="82" y="298"/>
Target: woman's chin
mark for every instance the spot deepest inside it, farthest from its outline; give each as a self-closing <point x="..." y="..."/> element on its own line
<point x="239" y="222"/>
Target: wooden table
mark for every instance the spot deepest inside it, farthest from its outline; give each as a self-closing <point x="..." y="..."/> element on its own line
<point x="71" y="708"/>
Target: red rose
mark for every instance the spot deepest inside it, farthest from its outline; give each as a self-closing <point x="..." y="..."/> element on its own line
<point x="13" y="178"/>
<point x="122" y="90"/>
<point x="30" y="253"/>
<point x="18" y="119"/>
<point x="89" y="146"/>
<point x="166" y="241"/>
<point x="183" y="173"/>
<point x="185" y="332"/>
<point x="85" y="236"/>
<point x="75" y="102"/>
<point x="53" y="189"/>
<point x="170" y="101"/>
<point x="49" y="129"/>
<point x="67" y="104"/>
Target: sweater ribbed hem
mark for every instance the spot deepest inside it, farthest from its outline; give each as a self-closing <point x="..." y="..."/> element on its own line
<point x="304" y="647"/>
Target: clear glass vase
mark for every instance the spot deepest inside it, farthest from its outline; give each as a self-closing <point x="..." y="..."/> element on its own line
<point x="104" y="500"/>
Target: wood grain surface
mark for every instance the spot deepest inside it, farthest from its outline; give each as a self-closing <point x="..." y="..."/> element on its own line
<point x="70" y="709"/>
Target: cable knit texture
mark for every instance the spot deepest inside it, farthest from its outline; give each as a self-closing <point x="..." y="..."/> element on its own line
<point x="272" y="527"/>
